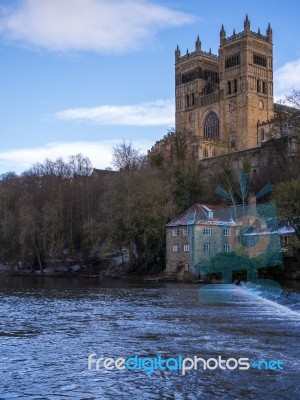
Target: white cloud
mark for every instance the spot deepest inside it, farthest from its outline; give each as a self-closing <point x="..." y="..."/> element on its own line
<point x="286" y="79"/>
<point x="98" y="152"/>
<point x="160" y="112"/>
<point x="105" y="26"/>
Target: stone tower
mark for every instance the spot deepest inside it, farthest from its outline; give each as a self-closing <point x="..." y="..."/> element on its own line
<point x="220" y="100"/>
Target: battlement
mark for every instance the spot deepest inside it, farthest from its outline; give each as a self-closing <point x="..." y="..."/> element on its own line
<point x="246" y="32"/>
<point x="239" y="35"/>
<point x="198" y="52"/>
<point x="189" y="55"/>
<point x="223" y="40"/>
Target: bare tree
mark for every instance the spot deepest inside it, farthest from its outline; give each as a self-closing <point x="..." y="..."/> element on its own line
<point x="286" y="196"/>
<point x="125" y="156"/>
<point x="80" y="165"/>
<point x="9" y="224"/>
<point x="285" y="134"/>
<point x="287" y="117"/>
<point x="294" y="117"/>
<point x="135" y="208"/>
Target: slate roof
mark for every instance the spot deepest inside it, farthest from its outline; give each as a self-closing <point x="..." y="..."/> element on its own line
<point x="212" y="215"/>
<point x="201" y="214"/>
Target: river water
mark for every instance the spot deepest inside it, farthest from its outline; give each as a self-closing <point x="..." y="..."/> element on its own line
<point x="49" y="327"/>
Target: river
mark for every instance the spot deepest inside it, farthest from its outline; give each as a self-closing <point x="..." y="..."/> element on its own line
<point x="50" y="326"/>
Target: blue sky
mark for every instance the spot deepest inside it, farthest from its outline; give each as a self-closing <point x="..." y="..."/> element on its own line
<point x="78" y="76"/>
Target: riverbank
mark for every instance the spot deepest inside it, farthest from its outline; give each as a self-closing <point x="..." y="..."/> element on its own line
<point x="124" y="271"/>
<point x="67" y="271"/>
<point x="90" y="275"/>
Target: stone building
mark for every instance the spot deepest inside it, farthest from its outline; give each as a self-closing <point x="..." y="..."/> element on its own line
<point x="248" y="234"/>
<point x="195" y="237"/>
<point x="224" y="102"/>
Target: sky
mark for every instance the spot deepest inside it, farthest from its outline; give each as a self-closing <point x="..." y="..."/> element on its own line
<point x="80" y="76"/>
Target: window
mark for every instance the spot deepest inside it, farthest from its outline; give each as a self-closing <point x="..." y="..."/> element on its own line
<point x="211" y="126"/>
<point x="259" y="59"/>
<point x="186" y="247"/>
<point x="207" y="231"/>
<point x="175" y="232"/>
<point x="205" y="153"/>
<point x="187" y="100"/>
<point x="229" y="87"/>
<point x="193" y="99"/>
<point x="235" y="86"/>
<point x="262" y="134"/>
<point x="226" y="247"/>
<point x="264" y="87"/>
<point x="197" y="73"/>
<point x="232" y="60"/>
<point x="261" y="87"/>
<point x="175" y="248"/>
<point x="186" y="231"/>
<point x="226" y="232"/>
<point x="258" y="86"/>
<point x="209" y="88"/>
<point x="207" y="247"/>
<point x="187" y="267"/>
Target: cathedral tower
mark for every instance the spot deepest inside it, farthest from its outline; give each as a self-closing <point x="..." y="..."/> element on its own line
<point x="220" y="99"/>
<point x="246" y="84"/>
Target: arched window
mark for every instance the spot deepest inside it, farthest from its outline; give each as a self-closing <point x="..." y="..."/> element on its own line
<point x="205" y="153"/>
<point x="258" y="86"/>
<point x="235" y="85"/>
<point x="187" y="100"/>
<point x="262" y="135"/>
<point x="229" y="87"/>
<point x="193" y="99"/>
<point x="211" y="126"/>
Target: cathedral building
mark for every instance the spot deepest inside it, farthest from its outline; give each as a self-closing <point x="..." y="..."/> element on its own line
<point x="223" y="102"/>
<point x="225" y="115"/>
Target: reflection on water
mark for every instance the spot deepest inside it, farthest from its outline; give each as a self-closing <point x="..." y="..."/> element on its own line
<point x="48" y="328"/>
